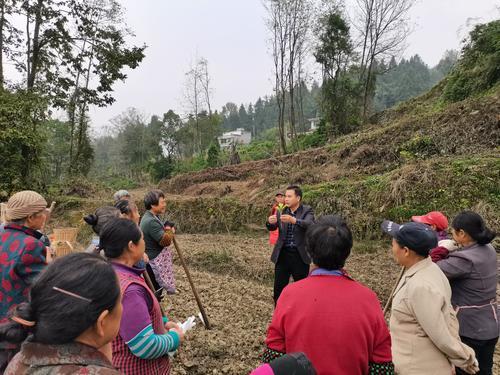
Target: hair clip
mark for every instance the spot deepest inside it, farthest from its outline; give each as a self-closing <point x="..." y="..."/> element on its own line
<point x="23" y="322"/>
<point x="71" y="294"/>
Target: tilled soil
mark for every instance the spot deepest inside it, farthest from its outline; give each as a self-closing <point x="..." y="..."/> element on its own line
<point x="233" y="276"/>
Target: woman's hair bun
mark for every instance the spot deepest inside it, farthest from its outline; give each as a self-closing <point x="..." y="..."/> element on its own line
<point x="91" y="219"/>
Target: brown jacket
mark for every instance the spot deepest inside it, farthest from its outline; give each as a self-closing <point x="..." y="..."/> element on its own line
<point x="72" y="358"/>
<point x="424" y="326"/>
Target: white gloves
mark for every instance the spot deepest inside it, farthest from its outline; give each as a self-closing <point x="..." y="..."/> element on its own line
<point x="450" y="245"/>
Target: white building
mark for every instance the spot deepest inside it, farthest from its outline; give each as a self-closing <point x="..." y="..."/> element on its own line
<point x="238" y="136"/>
<point x="313" y="123"/>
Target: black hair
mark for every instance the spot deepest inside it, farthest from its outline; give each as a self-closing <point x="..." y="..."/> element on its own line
<point x="116" y="235"/>
<point x="152" y="198"/>
<point x="125" y="206"/>
<point x="101" y="216"/>
<point x="296" y="189"/>
<point x="59" y="317"/>
<point x="329" y="242"/>
<point x="474" y="225"/>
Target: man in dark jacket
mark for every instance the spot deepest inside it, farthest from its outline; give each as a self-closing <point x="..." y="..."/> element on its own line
<point x="289" y="255"/>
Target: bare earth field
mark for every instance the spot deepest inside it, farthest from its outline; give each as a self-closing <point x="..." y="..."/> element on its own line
<point x="233" y="275"/>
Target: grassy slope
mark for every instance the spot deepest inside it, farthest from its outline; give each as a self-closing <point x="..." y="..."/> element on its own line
<point x="422" y="155"/>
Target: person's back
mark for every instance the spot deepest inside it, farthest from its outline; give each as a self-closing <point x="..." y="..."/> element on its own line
<point x="479" y="279"/>
<point x="71" y="358"/>
<point x="336" y="322"/>
<point x="473" y="274"/>
<point x="423" y="286"/>
<point x="73" y="314"/>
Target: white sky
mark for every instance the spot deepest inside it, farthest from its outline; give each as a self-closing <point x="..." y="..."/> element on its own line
<point x="232" y="36"/>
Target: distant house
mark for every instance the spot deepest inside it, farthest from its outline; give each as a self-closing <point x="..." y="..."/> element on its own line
<point x="313" y="123"/>
<point x="238" y="136"/>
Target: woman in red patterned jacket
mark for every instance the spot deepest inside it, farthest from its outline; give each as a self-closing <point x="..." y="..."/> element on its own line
<point x="22" y="256"/>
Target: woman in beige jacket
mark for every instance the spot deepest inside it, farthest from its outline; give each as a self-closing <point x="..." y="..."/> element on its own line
<point x="423" y="325"/>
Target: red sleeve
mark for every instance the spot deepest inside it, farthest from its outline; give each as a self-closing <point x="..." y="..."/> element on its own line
<point x="382" y="345"/>
<point x="275" y="339"/>
<point x="439" y="253"/>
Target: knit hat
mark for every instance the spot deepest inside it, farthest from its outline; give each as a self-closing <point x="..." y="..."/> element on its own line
<point x="24" y="204"/>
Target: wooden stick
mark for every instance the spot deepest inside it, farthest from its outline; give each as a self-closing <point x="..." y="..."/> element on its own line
<point x="198" y="301"/>
<point x="149" y="283"/>
<point x="389" y="301"/>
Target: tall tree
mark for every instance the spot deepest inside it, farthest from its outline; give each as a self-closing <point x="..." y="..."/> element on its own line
<point x="334" y="52"/>
<point x="384" y="28"/>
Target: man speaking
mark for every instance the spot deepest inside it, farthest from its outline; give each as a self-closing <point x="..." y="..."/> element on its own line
<point x="289" y="255"/>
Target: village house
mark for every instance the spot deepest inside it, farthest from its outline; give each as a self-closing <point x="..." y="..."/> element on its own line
<point x="238" y="136"/>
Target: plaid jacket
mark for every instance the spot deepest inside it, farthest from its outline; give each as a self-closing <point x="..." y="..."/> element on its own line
<point x="123" y="358"/>
<point x="72" y="358"/>
<point x="22" y="258"/>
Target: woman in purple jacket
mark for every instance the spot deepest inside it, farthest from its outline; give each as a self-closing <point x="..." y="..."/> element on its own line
<point x="472" y="271"/>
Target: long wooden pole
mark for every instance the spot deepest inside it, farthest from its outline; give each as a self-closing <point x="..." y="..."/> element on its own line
<point x="149" y="283"/>
<point x="389" y="301"/>
<point x="198" y="301"/>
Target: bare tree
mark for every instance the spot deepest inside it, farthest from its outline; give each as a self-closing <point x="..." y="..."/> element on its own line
<point x="384" y="28"/>
<point x="205" y="82"/>
<point x="278" y="26"/>
<point x="197" y="95"/>
<point x="192" y="95"/>
<point x="300" y="12"/>
<point x="289" y="23"/>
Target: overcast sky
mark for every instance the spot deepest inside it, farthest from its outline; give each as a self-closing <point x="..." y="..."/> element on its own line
<point x="232" y="36"/>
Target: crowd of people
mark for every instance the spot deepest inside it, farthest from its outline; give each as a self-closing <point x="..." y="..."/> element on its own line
<point x="99" y="311"/>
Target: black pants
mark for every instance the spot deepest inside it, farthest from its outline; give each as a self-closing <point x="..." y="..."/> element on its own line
<point x="484" y="350"/>
<point x="158" y="288"/>
<point x="289" y="263"/>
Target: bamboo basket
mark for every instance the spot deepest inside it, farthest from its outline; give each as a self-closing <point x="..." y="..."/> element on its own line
<point x="3" y="218"/>
<point x="62" y="248"/>
<point x="65" y="234"/>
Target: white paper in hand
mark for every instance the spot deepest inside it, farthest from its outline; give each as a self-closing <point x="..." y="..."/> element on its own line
<point x="186" y="326"/>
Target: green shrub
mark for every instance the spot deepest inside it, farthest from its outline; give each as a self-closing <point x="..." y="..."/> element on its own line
<point x="196" y="163"/>
<point x="479" y="67"/>
<point x="257" y="150"/>
<point x="315" y="139"/>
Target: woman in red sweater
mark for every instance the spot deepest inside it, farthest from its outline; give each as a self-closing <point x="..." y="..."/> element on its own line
<point x="334" y="320"/>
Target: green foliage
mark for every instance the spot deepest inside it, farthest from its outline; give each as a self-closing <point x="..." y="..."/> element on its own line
<point x="341" y="90"/>
<point x="258" y="150"/>
<point x="479" y="66"/>
<point x="193" y="164"/>
<point x="21" y="140"/>
<point x="314" y="139"/>
<point x="418" y="147"/>
<point x="213" y="155"/>
<point x="161" y="167"/>
<point x="448" y="185"/>
<point x="119" y="182"/>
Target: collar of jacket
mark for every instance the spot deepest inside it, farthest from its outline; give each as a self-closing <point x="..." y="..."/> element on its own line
<point x="410" y="272"/>
<point x="297" y="210"/>
<point x="26" y="230"/>
<point x="36" y="354"/>
<point x="420" y="265"/>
